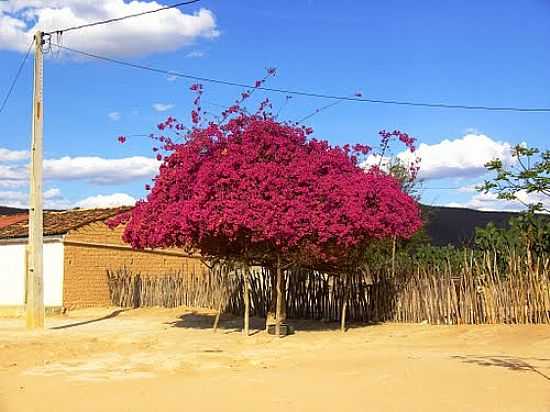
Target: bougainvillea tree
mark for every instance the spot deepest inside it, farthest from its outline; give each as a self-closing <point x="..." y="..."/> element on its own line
<point x="252" y="188"/>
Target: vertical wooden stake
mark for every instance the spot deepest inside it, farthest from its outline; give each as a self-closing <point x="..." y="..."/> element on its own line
<point x="246" y="297"/>
<point x="344" y="305"/>
<point x="221" y="297"/>
<point x="394" y="246"/>
<point x="35" y="292"/>
<point x="343" y="320"/>
<point x="279" y="305"/>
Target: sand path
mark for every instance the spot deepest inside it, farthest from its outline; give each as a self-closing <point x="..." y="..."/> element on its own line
<point x="168" y="360"/>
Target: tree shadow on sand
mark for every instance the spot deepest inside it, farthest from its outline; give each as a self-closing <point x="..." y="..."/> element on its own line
<point x="233" y="324"/>
<point x="228" y="323"/>
<point x="109" y="316"/>
<point x="509" y="362"/>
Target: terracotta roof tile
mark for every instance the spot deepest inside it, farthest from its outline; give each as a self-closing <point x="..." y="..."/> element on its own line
<point x="11" y="219"/>
<point x="58" y="223"/>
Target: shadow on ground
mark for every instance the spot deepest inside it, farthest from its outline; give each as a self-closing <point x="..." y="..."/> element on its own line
<point x="227" y="324"/>
<point x="511" y="363"/>
<point x="233" y="324"/>
<point x="109" y="316"/>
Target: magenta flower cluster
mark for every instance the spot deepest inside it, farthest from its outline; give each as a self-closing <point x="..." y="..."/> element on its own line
<point x="251" y="185"/>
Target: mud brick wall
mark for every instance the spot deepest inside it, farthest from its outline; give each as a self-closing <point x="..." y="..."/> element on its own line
<point x="93" y="249"/>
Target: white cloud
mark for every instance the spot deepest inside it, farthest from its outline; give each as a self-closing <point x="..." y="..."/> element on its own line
<point x="114" y="116"/>
<point x="195" y="54"/>
<point x="464" y="157"/>
<point x="102" y="201"/>
<point x="53" y="193"/>
<point x="376" y="160"/>
<point x="99" y="170"/>
<point x="489" y="202"/>
<point x="53" y="199"/>
<point x="14" y="199"/>
<point x="7" y="155"/>
<point x="171" y="77"/>
<point x="11" y="184"/>
<point x="92" y="169"/>
<point x="12" y="174"/>
<point x="469" y="188"/>
<point x="162" y="107"/>
<point x="154" y="33"/>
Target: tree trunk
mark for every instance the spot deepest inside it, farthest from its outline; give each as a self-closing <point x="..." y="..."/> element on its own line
<point x="279" y="305"/>
<point x="246" y="297"/>
<point x="271" y="316"/>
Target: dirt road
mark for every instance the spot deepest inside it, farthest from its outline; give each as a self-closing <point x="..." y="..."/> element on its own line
<point x="168" y="360"/>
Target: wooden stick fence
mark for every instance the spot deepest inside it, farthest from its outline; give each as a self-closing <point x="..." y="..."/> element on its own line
<point x="478" y="294"/>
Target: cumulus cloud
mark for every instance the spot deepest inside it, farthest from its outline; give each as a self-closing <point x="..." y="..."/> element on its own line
<point x="469" y="188"/>
<point x="53" y="199"/>
<point x="489" y="202"/>
<point x="103" y="201"/>
<point x="99" y="170"/>
<point x="91" y="169"/>
<point x="12" y="174"/>
<point x="7" y="155"/>
<point x="162" y="107"/>
<point x="154" y="33"/>
<point x="11" y="184"/>
<point x="14" y="199"/>
<point x="114" y="116"/>
<point x="464" y="157"/>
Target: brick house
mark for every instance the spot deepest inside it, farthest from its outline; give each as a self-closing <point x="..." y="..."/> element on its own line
<point x="79" y="248"/>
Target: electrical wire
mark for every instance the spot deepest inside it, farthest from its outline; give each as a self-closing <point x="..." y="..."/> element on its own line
<point x="16" y="77"/>
<point x="305" y="93"/>
<point x="97" y="23"/>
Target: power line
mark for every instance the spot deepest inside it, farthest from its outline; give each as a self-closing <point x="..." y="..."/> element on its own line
<point x="16" y="77"/>
<point x="304" y="93"/>
<point x="97" y="23"/>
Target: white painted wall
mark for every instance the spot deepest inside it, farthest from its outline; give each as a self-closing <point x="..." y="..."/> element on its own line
<point x="12" y="274"/>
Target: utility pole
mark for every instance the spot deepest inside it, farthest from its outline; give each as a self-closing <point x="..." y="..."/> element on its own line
<point x="35" y="282"/>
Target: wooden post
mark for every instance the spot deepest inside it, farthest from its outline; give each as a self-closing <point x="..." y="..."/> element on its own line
<point x="344" y="305"/>
<point x="246" y="297"/>
<point x="394" y="246"/>
<point x="221" y="297"/>
<point x="279" y="305"/>
<point x="35" y="292"/>
<point x="343" y="320"/>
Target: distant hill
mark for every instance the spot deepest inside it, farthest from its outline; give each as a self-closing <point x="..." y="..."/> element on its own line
<point x="456" y="226"/>
<point x="7" y="211"/>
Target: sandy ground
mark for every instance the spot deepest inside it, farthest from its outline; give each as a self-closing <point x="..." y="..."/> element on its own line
<point x="169" y="360"/>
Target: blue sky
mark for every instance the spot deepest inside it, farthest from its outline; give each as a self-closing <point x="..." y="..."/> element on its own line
<point x="492" y="53"/>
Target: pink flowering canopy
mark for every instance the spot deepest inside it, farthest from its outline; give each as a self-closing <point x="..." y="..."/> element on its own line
<point x="250" y="185"/>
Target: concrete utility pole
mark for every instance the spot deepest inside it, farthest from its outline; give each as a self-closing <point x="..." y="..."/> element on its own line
<point x="35" y="283"/>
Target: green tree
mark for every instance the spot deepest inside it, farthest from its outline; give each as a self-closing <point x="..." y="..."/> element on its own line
<point x="530" y="174"/>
